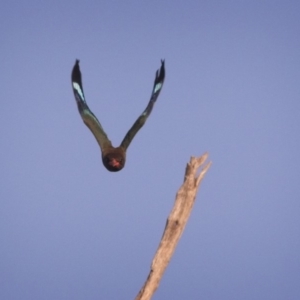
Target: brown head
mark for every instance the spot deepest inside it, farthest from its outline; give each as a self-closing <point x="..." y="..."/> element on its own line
<point x="114" y="159"/>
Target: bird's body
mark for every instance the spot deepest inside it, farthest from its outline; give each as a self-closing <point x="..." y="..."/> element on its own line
<point x="113" y="158"/>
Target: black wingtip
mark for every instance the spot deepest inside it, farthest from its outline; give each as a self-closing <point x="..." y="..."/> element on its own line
<point x="76" y="66"/>
<point x="162" y="64"/>
<point x="160" y="74"/>
<point x="76" y="74"/>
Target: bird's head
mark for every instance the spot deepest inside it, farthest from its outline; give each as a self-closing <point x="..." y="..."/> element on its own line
<point x="114" y="160"/>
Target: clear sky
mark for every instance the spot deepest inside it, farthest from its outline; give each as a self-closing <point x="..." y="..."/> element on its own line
<point x="69" y="229"/>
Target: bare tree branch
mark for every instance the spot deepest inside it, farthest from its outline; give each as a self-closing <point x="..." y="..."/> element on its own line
<point x="175" y="225"/>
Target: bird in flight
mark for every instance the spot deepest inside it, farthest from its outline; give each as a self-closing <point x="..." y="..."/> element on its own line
<point x="113" y="158"/>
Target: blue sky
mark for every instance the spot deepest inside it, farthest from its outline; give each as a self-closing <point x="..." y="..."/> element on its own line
<point x="69" y="229"/>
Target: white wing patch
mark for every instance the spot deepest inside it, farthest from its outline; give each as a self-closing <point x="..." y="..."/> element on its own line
<point x="157" y="87"/>
<point x="76" y="86"/>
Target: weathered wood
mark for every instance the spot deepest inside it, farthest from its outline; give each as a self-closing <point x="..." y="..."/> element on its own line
<point x="175" y="225"/>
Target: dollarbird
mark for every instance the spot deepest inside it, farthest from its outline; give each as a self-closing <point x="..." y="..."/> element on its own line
<point x="113" y="158"/>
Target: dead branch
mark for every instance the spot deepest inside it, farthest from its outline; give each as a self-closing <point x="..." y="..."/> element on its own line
<point x="175" y="225"/>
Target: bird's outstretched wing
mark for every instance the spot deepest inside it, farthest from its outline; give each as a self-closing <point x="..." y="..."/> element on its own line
<point x="158" y="84"/>
<point x="87" y="116"/>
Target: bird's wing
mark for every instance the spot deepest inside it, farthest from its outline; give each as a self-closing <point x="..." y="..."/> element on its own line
<point x="87" y="116"/>
<point x="158" y="84"/>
